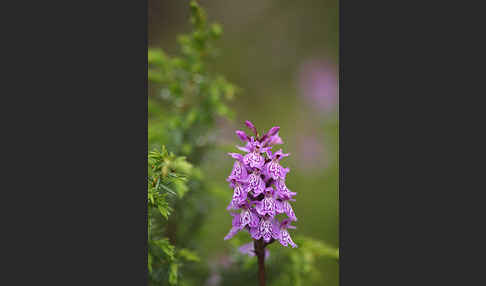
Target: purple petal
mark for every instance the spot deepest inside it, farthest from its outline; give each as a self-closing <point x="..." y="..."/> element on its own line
<point x="274" y="170"/>
<point x="242" y="135"/>
<point x="280" y="155"/>
<point x="236" y="220"/>
<point x="231" y="233"/>
<point x="251" y="127"/>
<point x="275" y="229"/>
<point x="267" y="206"/>
<point x="244" y="149"/>
<point x="285" y="239"/>
<point x="255" y="220"/>
<point x="236" y="156"/>
<point x="245" y="218"/>
<point x="269" y="153"/>
<point x="239" y="197"/>
<point x="282" y="191"/>
<point x="255" y="232"/>
<point x="254" y="160"/>
<point x="266" y="228"/>
<point x="287" y="208"/>
<point x="274" y="140"/>
<point x="248" y="249"/>
<point x="238" y="173"/>
<point x="255" y="184"/>
<point x="286" y="223"/>
<point x="274" y="130"/>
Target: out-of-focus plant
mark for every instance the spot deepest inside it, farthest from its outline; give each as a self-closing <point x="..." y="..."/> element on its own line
<point x="185" y="97"/>
<point x="292" y="267"/>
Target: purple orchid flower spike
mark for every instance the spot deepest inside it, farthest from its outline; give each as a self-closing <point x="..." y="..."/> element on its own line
<point x="260" y="192"/>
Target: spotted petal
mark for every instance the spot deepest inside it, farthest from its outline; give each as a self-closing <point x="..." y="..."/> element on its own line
<point x="267" y="206"/>
<point x="254" y="160"/>
<point x="238" y="172"/>
<point x="285" y="238"/>
<point x="239" y="197"/>
<point x="266" y="229"/>
<point x="282" y="191"/>
<point x="255" y="184"/>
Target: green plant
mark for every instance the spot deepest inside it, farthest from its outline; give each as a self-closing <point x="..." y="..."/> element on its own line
<point x="167" y="180"/>
<point x="184" y="99"/>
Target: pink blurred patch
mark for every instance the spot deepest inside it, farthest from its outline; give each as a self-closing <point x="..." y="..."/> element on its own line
<point x="312" y="154"/>
<point x="318" y="83"/>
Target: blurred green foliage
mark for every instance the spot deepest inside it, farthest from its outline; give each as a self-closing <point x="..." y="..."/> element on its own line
<point x="292" y="267"/>
<point x="186" y="97"/>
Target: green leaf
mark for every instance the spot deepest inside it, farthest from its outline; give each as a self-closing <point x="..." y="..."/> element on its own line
<point x="166" y="247"/>
<point x="216" y="30"/>
<point x="188" y="255"/>
<point x="170" y="191"/>
<point x="181" y="188"/>
<point x="164" y="211"/>
<point x="173" y="273"/>
<point x="320" y="248"/>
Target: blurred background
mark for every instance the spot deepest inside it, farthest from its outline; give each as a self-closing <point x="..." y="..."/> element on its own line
<point x="283" y="57"/>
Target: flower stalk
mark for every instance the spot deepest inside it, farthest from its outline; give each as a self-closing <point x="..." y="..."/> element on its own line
<point x="260" y="254"/>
